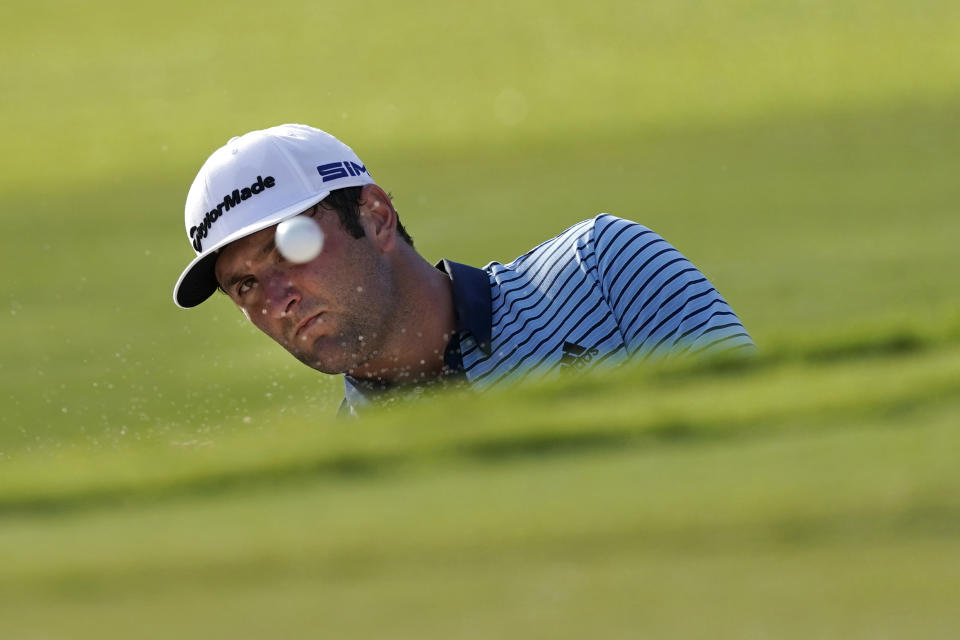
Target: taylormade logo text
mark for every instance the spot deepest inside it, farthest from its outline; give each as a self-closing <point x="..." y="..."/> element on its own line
<point x="233" y="199"/>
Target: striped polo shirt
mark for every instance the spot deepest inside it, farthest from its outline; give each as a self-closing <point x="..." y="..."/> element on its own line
<point x="604" y="291"/>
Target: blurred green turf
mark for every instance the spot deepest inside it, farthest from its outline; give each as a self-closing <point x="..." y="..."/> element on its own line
<point x="810" y="492"/>
<point x="803" y="154"/>
<point x="824" y="519"/>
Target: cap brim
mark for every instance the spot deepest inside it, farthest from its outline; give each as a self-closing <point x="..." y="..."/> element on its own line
<point x="199" y="281"/>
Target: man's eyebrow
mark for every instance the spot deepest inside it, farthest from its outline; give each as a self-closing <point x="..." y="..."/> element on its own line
<point x="267" y="246"/>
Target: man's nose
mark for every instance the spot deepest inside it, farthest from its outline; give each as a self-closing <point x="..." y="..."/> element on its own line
<point x="282" y="295"/>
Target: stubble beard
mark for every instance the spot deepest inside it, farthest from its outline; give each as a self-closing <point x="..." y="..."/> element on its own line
<point x="361" y="338"/>
<point x="363" y="334"/>
<point x="347" y="351"/>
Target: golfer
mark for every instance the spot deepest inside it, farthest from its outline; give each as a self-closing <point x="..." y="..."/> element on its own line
<point x="368" y="306"/>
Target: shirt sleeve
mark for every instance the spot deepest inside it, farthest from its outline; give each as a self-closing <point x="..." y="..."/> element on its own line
<point x="662" y="303"/>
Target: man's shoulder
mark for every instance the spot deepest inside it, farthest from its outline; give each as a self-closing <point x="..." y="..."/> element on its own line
<point x="577" y="237"/>
<point x="608" y="229"/>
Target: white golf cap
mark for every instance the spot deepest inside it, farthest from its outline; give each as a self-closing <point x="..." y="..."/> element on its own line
<point x="253" y="182"/>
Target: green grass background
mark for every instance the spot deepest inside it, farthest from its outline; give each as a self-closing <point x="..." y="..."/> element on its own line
<point x="165" y="472"/>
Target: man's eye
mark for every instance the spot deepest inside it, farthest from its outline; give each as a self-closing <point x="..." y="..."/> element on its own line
<point x="245" y="286"/>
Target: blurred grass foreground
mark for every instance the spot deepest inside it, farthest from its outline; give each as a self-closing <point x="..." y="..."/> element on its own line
<point x="173" y="474"/>
<point x="809" y="492"/>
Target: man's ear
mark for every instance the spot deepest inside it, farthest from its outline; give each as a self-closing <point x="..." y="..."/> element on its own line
<point x="378" y="217"/>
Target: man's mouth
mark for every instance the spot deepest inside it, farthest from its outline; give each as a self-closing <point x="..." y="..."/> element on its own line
<point x="306" y="323"/>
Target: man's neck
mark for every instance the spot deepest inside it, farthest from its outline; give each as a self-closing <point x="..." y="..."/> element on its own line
<point x="424" y="324"/>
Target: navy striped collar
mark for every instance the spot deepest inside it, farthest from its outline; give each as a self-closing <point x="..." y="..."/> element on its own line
<point x="471" y="301"/>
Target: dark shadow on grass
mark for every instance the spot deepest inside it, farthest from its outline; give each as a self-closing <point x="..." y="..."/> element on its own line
<point x="359" y="468"/>
<point x="543" y="445"/>
<point x="893" y="344"/>
<point x="343" y="467"/>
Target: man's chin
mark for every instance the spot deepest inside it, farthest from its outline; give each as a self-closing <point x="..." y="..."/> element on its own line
<point x="323" y="366"/>
<point x="331" y="365"/>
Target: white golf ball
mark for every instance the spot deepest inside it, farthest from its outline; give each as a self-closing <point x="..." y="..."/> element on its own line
<point x="299" y="239"/>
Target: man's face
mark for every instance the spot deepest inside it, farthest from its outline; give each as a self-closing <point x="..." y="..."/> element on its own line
<point x="331" y="313"/>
